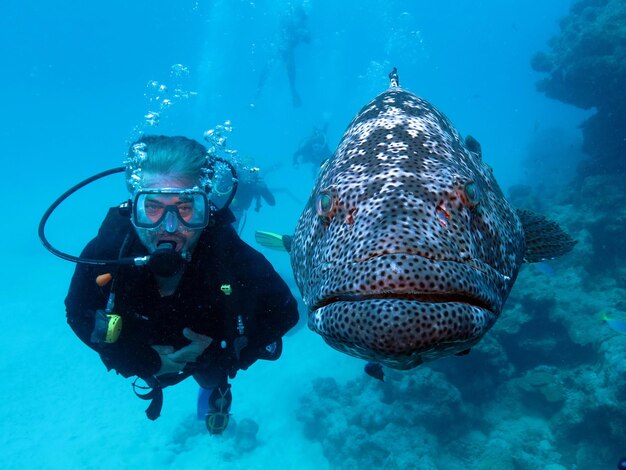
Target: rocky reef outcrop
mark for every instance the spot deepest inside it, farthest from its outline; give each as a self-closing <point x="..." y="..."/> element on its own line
<point x="585" y="66"/>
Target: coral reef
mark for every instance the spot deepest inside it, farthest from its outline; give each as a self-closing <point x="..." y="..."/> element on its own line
<point x="544" y="389"/>
<point x="552" y="157"/>
<point x="586" y="67"/>
<point x="245" y="436"/>
<point x="367" y="424"/>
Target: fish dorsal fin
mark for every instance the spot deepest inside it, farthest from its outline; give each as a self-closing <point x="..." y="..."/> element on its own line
<point x="473" y="146"/>
<point x="394" y="80"/>
<point x="545" y="239"/>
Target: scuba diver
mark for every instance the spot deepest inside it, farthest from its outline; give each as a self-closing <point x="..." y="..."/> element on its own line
<point x="313" y="149"/>
<point x="251" y="188"/>
<point x="167" y="289"/>
<point x="293" y="31"/>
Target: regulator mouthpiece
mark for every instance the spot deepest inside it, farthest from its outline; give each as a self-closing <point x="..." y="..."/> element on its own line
<point x="165" y="261"/>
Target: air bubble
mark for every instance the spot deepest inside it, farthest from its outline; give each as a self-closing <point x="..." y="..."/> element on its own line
<point x="179" y="70"/>
<point x="152" y="119"/>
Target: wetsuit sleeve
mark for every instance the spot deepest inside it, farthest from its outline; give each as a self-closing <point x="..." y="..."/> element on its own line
<point x="127" y="356"/>
<point x="275" y="310"/>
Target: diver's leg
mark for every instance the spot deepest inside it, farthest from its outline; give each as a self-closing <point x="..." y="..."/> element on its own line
<point x="290" y="65"/>
<point x="214" y="399"/>
<point x="265" y="72"/>
<point x="202" y="408"/>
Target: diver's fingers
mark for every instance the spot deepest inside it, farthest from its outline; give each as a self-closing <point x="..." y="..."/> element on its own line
<point x="197" y="346"/>
<point x="202" y="340"/>
<point x="161" y="349"/>
<point x="169" y="366"/>
<point x="185" y="354"/>
<point x="188" y="354"/>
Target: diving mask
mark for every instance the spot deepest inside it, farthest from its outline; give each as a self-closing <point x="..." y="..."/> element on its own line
<point x="152" y="206"/>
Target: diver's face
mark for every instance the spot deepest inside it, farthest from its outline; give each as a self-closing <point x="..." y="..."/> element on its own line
<point x="170" y="229"/>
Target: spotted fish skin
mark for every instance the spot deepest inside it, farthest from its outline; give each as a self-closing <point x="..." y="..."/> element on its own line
<point x="407" y="248"/>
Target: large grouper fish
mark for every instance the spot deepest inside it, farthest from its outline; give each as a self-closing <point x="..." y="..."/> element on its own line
<point x="407" y="248"/>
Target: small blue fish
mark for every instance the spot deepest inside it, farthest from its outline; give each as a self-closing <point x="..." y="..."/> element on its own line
<point x="374" y="369"/>
<point x="616" y="324"/>
<point x="544" y="268"/>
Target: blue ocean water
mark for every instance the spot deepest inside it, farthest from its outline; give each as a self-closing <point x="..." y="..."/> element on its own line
<point x="77" y="83"/>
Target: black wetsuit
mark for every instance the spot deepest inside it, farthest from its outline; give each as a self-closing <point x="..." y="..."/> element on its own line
<point x="258" y="312"/>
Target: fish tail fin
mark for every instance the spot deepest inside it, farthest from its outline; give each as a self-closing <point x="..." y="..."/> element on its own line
<point x="273" y="241"/>
<point x="545" y="239"/>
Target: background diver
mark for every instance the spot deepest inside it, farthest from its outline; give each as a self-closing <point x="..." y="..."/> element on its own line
<point x="293" y="31"/>
<point x="314" y="149"/>
<point x="251" y="187"/>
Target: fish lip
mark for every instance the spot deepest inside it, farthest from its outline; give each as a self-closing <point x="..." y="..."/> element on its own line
<point x="490" y="285"/>
<point x="439" y="298"/>
<point x="400" y="341"/>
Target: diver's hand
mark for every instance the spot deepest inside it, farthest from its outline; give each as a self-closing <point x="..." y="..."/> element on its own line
<point x="173" y="361"/>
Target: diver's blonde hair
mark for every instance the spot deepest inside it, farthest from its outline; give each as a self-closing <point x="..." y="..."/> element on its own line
<point x="160" y="154"/>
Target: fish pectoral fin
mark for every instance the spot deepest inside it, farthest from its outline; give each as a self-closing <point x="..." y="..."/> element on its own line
<point x="273" y="241"/>
<point x="545" y="239"/>
<point x="375" y="370"/>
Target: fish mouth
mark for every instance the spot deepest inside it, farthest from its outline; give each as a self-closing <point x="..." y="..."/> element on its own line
<point x="403" y="310"/>
<point x="430" y="298"/>
<point x="409" y="278"/>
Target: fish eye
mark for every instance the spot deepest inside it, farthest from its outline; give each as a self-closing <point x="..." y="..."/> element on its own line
<point x="472" y="194"/>
<point x="324" y="204"/>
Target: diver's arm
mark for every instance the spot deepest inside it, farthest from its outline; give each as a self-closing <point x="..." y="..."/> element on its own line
<point x="127" y="355"/>
<point x="267" y="194"/>
<point x="84" y="298"/>
<point x="275" y="309"/>
<point x="276" y="315"/>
